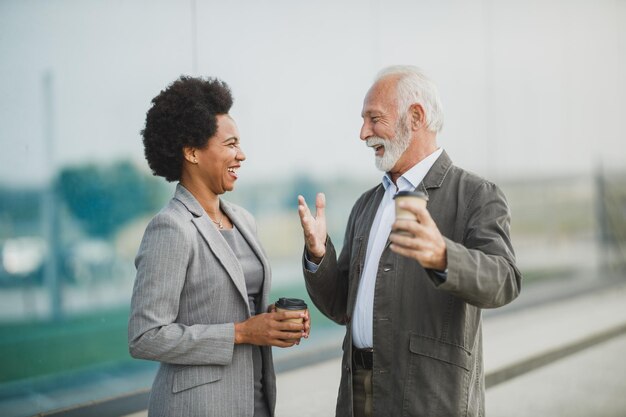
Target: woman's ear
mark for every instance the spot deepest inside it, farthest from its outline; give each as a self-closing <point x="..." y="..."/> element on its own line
<point x="190" y="154"/>
<point x="417" y="115"/>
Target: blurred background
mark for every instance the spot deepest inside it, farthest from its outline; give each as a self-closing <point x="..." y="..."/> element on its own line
<point x="533" y="96"/>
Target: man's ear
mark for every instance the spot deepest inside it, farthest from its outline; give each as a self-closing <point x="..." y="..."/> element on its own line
<point x="417" y="116"/>
<point x="189" y="153"/>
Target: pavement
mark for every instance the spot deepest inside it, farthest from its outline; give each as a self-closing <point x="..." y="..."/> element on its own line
<point x="563" y="358"/>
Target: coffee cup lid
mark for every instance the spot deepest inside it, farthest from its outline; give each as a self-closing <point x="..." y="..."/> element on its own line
<point x="418" y="194"/>
<point x="291" y="303"/>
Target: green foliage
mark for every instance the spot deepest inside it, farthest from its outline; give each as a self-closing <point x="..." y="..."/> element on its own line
<point x="19" y="210"/>
<point x="105" y="198"/>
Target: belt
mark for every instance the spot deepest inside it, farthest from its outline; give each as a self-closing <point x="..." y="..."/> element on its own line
<point x="363" y="358"/>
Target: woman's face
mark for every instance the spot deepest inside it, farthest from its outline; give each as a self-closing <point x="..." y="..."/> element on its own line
<point x="220" y="159"/>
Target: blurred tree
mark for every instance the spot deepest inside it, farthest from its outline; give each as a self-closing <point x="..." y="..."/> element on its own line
<point x="305" y="186"/>
<point x="105" y="198"/>
<point x="19" y="211"/>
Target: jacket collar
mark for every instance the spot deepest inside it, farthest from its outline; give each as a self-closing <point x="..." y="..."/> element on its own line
<point x="437" y="173"/>
<point x="189" y="201"/>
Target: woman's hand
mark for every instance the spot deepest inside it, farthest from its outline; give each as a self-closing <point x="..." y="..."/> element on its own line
<point x="307" y="324"/>
<point x="307" y="321"/>
<point x="272" y="329"/>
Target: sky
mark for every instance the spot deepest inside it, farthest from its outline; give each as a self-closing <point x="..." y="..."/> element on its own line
<point x="534" y="88"/>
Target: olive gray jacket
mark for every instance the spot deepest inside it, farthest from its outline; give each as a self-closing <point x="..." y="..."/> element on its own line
<point x="189" y="292"/>
<point x="427" y="332"/>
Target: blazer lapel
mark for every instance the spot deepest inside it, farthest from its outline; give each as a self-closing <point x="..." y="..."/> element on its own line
<point x="433" y="178"/>
<point x="215" y="241"/>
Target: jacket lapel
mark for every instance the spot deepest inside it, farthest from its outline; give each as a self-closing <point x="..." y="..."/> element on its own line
<point x="215" y="241"/>
<point x="363" y="225"/>
<point x="433" y="179"/>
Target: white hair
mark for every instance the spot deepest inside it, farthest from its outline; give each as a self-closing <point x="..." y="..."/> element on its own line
<point x="415" y="87"/>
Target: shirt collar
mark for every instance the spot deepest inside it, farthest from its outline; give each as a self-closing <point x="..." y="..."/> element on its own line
<point x="410" y="179"/>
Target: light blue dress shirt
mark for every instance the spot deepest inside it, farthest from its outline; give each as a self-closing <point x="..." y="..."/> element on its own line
<point x="362" y="319"/>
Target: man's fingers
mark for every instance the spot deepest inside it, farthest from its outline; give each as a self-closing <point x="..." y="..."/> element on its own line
<point x="320" y="206"/>
<point x="401" y="239"/>
<point x="411" y="226"/>
<point x="400" y="250"/>
<point x="303" y="208"/>
<point x="306" y="218"/>
<point x="424" y="217"/>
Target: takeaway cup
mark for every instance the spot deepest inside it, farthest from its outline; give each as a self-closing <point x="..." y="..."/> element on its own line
<point x="403" y="214"/>
<point x="291" y="304"/>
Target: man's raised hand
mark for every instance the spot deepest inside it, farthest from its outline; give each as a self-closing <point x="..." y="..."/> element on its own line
<point x="314" y="227"/>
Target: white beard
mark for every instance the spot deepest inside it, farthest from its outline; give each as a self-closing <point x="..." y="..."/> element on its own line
<point x="394" y="148"/>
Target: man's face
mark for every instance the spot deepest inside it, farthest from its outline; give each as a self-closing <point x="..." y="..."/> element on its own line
<point x="392" y="149"/>
<point x="382" y="129"/>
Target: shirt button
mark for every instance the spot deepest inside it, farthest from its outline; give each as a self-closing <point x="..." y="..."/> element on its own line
<point x="387" y="269"/>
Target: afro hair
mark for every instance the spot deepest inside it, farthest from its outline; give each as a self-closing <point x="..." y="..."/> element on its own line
<point x="184" y="114"/>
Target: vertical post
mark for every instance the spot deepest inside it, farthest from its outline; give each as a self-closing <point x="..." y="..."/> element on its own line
<point x="491" y="145"/>
<point x="194" y="38"/>
<point x="605" y="236"/>
<point x="49" y="203"/>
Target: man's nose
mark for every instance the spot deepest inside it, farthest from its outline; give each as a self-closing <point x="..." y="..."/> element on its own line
<point x="366" y="131"/>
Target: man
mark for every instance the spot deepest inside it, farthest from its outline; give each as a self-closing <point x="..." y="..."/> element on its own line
<point x="412" y="304"/>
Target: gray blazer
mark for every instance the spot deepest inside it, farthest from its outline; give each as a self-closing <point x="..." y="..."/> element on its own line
<point x="427" y="333"/>
<point x="189" y="292"/>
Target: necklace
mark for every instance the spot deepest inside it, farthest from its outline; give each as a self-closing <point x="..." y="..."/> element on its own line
<point x="219" y="222"/>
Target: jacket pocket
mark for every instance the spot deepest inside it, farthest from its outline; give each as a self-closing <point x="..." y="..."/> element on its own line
<point x="193" y="376"/>
<point x="442" y="351"/>
<point x="437" y="378"/>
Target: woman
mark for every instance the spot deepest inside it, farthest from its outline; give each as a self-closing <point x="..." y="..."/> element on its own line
<point x="203" y="280"/>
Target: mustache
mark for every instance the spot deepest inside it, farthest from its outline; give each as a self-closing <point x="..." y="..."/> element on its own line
<point x="374" y="141"/>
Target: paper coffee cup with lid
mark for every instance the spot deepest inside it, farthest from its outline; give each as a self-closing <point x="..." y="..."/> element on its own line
<point x="291" y="304"/>
<point x="418" y="196"/>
